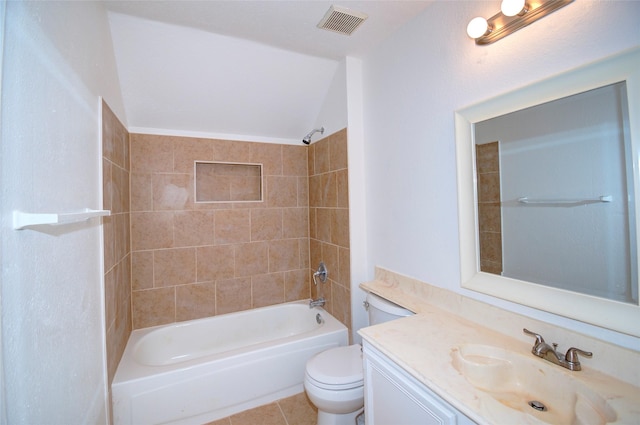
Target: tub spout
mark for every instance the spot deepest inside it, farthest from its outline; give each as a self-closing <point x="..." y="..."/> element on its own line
<point x="320" y="302"/>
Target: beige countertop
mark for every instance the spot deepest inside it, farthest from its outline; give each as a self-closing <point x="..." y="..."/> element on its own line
<point x="426" y="344"/>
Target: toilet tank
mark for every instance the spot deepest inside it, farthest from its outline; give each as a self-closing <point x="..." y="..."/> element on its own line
<point x="381" y="310"/>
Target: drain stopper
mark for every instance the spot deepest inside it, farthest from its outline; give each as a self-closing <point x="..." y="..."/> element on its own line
<point x="538" y="405"/>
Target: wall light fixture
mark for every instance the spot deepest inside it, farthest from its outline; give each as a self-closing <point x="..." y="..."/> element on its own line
<point x="513" y="15"/>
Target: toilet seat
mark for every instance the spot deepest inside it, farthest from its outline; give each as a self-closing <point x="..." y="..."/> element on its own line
<point x="337" y="368"/>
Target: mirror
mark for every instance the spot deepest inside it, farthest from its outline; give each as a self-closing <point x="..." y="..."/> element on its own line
<point x="548" y="191"/>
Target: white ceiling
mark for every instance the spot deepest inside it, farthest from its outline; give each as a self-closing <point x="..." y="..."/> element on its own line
<point x="290" y="25"/>
<point x="258" y="70"/>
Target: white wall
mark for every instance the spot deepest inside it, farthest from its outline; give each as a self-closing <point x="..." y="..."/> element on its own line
<point x="415" y="81"/>
<point x="58" y="58"/>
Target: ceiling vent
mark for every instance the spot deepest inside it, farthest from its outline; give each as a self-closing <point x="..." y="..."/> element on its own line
<point x="342" y="20"/>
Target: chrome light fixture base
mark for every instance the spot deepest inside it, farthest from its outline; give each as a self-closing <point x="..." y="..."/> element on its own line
<point x="501" y="26"/>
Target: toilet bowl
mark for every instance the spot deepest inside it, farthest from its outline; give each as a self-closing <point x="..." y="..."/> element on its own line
<point x="334" y="379"/>
<point x="334" y="383"/>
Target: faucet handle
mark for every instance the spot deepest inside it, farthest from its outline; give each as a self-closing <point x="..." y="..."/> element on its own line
<point x="572" y="354"/>
<point x="539" y="339"/>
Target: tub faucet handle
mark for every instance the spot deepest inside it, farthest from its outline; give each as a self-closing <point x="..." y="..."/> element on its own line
<point x="322" y="273"/>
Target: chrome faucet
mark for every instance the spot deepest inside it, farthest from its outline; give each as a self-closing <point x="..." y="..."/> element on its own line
<point x="320" y="302"/>
<point x="322" y="273"/>
<point x="545" y="351"/>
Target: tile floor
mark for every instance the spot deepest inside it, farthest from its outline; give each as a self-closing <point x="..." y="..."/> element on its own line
<point x="294" y="410"/>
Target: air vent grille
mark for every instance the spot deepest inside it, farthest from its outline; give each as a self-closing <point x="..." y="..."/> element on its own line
<point x="342" y="20"/>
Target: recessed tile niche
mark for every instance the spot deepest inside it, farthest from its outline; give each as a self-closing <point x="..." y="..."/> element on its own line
<point x="228" y="182"/>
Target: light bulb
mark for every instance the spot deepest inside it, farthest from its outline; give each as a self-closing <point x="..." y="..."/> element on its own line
<point x="512" y="7"/>
<point x="477" y="27"/>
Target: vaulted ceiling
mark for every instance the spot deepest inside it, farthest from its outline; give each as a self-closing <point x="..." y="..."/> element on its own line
<point x="242" y="69"/>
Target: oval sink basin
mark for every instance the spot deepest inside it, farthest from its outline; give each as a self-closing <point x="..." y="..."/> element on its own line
<point x="518" y="388"/>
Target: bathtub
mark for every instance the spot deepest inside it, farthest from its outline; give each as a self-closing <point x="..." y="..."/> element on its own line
<point x="202" y="370"/>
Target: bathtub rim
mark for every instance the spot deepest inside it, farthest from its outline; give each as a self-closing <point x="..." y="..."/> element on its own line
<point x="129" y="369"/>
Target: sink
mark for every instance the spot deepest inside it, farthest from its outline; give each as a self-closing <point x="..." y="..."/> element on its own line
<point x="521" y="388"/>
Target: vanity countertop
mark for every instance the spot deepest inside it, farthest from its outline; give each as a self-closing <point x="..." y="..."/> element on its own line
<point x="425" y="345"/>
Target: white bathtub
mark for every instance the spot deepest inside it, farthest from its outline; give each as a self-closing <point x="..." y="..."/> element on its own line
<point x="202" y="370"/>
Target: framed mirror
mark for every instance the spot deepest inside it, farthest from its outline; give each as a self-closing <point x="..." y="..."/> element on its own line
<point x="548" y="193"/>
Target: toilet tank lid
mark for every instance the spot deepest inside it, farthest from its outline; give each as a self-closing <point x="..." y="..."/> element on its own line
<point x="382" y="304"/>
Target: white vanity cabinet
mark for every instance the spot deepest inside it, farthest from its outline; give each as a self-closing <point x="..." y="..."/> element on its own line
<point x="394" y="397"/>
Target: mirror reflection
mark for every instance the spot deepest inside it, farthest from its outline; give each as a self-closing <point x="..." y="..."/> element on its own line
<point x="554" y="192"/>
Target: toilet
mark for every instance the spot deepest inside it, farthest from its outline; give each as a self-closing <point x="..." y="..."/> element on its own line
<point x="334" y="379"/>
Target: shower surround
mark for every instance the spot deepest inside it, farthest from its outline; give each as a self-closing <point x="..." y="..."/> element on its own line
<point x="193" y="260"/>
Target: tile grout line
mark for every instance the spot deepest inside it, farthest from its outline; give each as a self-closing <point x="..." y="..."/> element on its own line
<point x="282" y="413"/>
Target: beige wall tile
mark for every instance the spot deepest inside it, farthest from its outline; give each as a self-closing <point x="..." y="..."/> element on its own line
<point x="151" y="153"/>
<point x="141" y="270"/>
<point x="282" y="191"/>
<point x="341" y="305"/>
<point x="340" y="227"/>
<point x="267" y="224"/>
<point x="344" y="267"/>
<point x="269" y="155"/>
<point x="236" y="240"/>
<point x="214" y="263"/>
<point x="151" y="230"/>
<point x="116" y="197"/>
<point x="342" y="182"/>
<point x="296" y="283"/>
<point x="141" y="192"/>
<point x="172" y="191"/>
<point x="188" y="150"/>
<point x="231" y="151"/>
<point x="195" y="301"/>
<point x="109" y="242"/>
<point x="284" y="255"/>
<point x="232" y="226"/>
<point x="329" y="189"/>
<point x="153" y="307"/>
<point x="267" y="289"/>
<point x="295" y="222"/>
<point x="193" y="228"/>
<point x="294" y="160"/>
<point x="173" y="267"/>
<point x="312" y="223"/>
<point x="107" y="184"/>
<point x="321" y="153"/>
<point x="311" y="160"/>
<point x="315" y="191"/>
<point x="323" y="224"/>
<point x="120" y="190"/>
<point x="233" y="295"/>
<point x="338" y="150"/>
<point x="251" y="259"/>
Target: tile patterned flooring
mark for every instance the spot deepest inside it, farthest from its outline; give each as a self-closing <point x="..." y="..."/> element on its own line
<point x="294" y="410"/>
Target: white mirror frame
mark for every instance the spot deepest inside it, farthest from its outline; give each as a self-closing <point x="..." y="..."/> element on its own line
<point x="614" y="315"/>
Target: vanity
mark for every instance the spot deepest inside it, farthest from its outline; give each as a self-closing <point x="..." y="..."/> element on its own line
<point x="441" y="366"/>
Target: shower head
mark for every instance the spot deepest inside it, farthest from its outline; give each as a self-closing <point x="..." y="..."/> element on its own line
<point x="307" y="138"/>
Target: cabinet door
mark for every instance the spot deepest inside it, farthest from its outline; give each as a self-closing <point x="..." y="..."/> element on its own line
<point x="393" y="397"/>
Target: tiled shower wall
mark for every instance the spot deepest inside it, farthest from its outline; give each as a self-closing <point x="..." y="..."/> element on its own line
<point x="329" y="221"/>
<point x="192" y="260"/>
<point x="117" y="258"/>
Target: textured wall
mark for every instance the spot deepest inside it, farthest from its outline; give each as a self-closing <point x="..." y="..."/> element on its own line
<point x="192" y="260"/>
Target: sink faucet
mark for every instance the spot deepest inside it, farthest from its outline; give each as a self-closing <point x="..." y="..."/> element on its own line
<point x="545" y="351"/>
